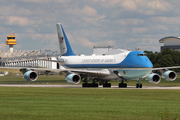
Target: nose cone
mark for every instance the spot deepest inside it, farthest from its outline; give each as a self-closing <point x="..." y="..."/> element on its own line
<point x="137" y="59"/>
<point x="147" y="63"/>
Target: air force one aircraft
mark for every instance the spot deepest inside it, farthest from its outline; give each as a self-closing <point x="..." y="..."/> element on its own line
<point x="91" y="70"/>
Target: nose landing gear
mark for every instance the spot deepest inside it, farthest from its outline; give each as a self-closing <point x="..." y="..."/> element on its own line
<point x="139" y="85"/>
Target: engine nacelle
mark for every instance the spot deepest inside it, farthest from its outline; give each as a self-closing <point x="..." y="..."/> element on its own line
<point x="153" y="78"/>
<point x="73" y="78"/>
<point x="30" y="76"/>
<point x="169" y="75"/>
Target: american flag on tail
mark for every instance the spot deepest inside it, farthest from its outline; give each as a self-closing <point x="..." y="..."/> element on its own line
<point x="61" y="39"/>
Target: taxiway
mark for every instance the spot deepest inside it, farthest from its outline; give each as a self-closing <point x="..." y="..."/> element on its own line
<point x="80" y="86"/>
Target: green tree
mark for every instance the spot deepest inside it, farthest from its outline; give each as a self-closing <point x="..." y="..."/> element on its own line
<point x="148" y="52"/>
<point x="166" y="61"/>
<point x="156" y="65"/>
<point x="166" y="58"/>
<point x="175" y="56"/>
<point x="166" y="51"/>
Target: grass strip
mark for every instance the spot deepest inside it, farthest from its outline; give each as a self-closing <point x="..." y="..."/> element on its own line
<point x="88" y="103"/>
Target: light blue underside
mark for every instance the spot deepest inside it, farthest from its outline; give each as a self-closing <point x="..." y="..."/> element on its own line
<point x="134" y="73"/>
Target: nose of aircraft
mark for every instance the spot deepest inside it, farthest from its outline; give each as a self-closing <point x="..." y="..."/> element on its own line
<point x="137" y="59"/>
<point x="142" y="59"/>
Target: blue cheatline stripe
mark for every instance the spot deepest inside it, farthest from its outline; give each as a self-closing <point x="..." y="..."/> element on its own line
<point x="131" y="61"/>
<point x="69" y="49"/>
<point x="103" y="66"/>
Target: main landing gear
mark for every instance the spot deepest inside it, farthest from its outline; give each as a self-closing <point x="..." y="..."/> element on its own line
<point x="106" y="84"/>
<point x="90" y="85"/>
<point x="86" y="84"/>
<point x="122" y="84"/>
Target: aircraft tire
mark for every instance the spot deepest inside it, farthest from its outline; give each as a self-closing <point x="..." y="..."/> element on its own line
<point x="122" y="85"/>
<point x="125" y="85"/>
<point x="140" y="86"/>
<point x="137" y="85"/>
<point x="107" y="85"/>
<point x="96" y="85"/>
<point x="84" y="85"/>
<point x="89" y="85"/>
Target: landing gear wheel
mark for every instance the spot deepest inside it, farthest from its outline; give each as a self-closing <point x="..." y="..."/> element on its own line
<point x="137" y="85"/>
<point x="124" y="85"/>
<point x="90" y="85"/>
<point x="95" y="85"/>
<point x="140" y="86"/>
<point x="85" y="85"/>
<point x="107" y="85"/>
<point x="120" y="85"/>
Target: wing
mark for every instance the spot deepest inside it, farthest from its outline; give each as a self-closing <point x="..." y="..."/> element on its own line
<point x="166" y="68"/>
<point x="102" y="72"/>
<point x="168" y="75"/>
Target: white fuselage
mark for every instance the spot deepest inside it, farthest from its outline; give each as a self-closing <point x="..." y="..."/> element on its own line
<point x="130" y="65"/>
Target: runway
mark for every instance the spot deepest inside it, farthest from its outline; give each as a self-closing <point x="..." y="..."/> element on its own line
<point x="80" y="86"/>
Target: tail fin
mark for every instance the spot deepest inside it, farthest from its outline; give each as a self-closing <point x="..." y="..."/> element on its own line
<point x="64" y="45"/>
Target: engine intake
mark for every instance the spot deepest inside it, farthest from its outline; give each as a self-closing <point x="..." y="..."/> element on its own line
<point x="153" y="78"/>
<point x="169" y="75"/>
<point x="30" y="76"/>
<point x="73" y="78"/>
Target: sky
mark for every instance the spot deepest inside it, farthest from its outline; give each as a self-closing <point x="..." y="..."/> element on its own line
<point x="125" y="24"/>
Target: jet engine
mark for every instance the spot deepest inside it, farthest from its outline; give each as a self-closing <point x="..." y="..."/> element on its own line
<point x="73" y="78"/>
<point x="169" y="75"/>
<point x="153" y="78"/>
<point x="30" y="76"/>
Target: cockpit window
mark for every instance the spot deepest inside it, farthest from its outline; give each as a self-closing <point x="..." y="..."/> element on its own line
<point x="141" y="54"/>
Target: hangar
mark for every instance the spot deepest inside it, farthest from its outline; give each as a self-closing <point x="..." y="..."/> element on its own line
<point x="172" y="42"/>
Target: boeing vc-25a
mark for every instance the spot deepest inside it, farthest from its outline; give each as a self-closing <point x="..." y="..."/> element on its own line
<point x="98" y="70"/>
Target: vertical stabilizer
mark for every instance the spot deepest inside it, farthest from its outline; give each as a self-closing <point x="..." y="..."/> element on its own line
<point x="65" y="48"/>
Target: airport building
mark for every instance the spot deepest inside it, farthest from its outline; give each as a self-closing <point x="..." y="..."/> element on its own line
<point x="172" y="42"/>
<point x="29" y="58"/>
